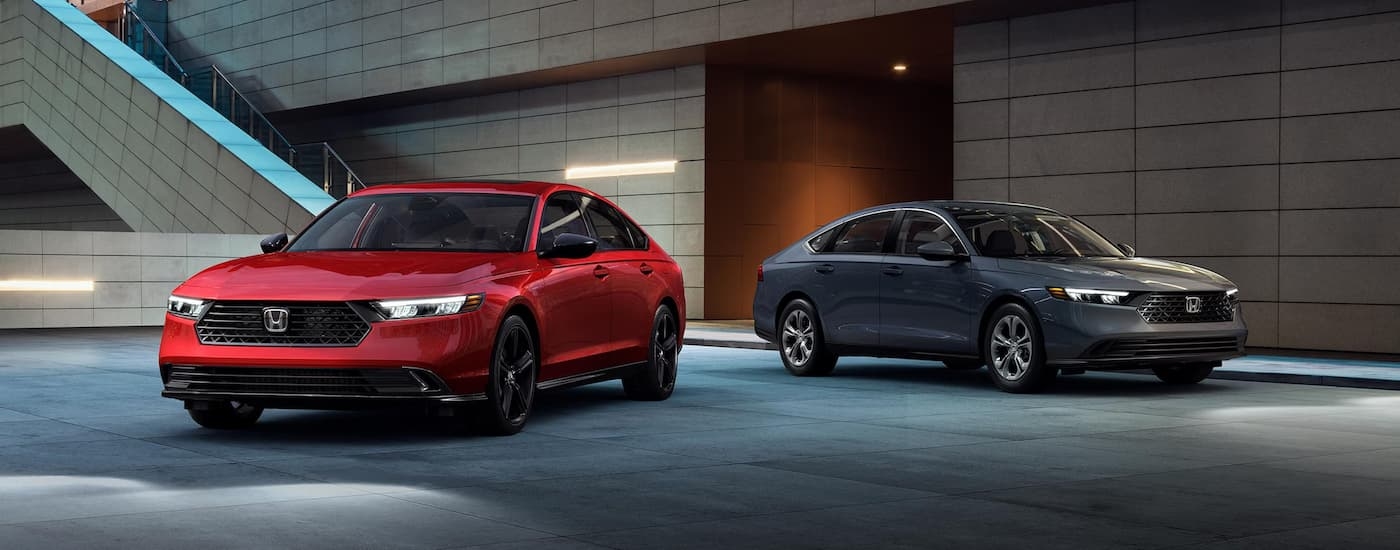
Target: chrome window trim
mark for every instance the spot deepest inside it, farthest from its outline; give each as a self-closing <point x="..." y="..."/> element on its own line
<point x="841" y="223"/>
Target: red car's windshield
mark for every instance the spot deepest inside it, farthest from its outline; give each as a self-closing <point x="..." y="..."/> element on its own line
<point x="471" y="222"/>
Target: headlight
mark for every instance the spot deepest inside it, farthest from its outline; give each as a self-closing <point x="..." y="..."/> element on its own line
<point x="189" y="308"/>
<point x="428" y="307"/>
<point x="1109" y="297"/>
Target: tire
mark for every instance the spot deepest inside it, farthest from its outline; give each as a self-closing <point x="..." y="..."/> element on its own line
<point x="657" y="379"/>
<point x="964" y="364"/>
<point x="801" y="343"/>
<point x="1183" y="374"/>
<point x="1015" y="351"/>
<point x="226" y="415"/>
<point x="510" y="388"/>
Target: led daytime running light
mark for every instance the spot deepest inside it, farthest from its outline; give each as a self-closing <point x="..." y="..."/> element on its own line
<point x="429" y="307"/>
<point x="1110" y="297"/>
<point x="186" y="307"/>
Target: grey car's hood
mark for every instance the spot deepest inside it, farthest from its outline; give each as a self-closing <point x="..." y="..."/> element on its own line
<point x="1119" y="273"/>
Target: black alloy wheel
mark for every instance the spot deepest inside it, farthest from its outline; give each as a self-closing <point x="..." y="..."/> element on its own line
<point x="657" y="379"/>
<point x="511" y="388"/>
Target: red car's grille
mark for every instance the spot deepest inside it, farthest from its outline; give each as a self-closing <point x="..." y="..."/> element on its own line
<point x="306" y="324"/>
<point x="287" y="381"/>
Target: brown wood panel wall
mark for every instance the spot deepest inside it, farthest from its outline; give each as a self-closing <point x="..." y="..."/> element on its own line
<point x="786" y="153"/>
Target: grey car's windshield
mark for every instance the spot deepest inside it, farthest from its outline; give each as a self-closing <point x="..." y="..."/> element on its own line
<point x="468" y="222"/>
<point x="1030" y="233"/>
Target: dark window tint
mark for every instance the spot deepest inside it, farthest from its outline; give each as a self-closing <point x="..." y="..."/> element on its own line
<point x="611" y="228"/>
<point x="863" y="236"/>
<point x="561" y="215"/>
<point x="477" y="222"/>
<point x="818" y="243"/>
<point x="1031" y="233"/>
<point x="919" y="228"/>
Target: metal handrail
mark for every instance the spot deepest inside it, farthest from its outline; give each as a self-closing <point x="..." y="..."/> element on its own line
<point x="130" y="25"/>
<point x="222" y="91"/>
<point x="256" y="120"/>
<point x="352" y="180"/>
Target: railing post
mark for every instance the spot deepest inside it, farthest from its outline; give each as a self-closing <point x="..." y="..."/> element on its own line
<point x="325" y="169"/>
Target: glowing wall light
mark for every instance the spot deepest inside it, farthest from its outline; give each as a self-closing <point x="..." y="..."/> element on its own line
<point x="615" y="170"/>
<point x="22" y="285"/>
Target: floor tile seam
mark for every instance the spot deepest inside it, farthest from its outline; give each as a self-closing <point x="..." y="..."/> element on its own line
<point x="751" y="516"/>
<point x="804" y="421"/>
<point x="193" y="509"/>
<point x="1282" y="531"/>
<point x="558" y="478"/>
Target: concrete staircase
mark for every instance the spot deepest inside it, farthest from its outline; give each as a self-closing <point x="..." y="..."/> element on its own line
<point x="160" y="157"/>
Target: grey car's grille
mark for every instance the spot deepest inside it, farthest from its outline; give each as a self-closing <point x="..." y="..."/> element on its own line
<point x="1168" y="347"/>
<point x="1214" y="307"/>
<point x="302" y="381"/>
<point x="307" y="324"/>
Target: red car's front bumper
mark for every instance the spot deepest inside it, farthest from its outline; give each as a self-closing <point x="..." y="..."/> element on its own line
<point x="439" y="359"/>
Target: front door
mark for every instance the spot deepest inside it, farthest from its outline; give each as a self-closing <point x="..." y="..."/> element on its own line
<point x="623" y="248"/>
<point x="576" y="332"/>
<point x="926" y="306"/>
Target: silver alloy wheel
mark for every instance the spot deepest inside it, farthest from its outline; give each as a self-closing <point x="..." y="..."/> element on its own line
<point x="1011" y="348"/>
<point x="798" y="337"/>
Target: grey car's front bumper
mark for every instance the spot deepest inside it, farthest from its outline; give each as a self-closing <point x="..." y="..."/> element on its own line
<point x="1102" y="336"/>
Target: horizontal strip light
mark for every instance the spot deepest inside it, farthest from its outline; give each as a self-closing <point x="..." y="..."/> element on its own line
<point x="615" y="170"/>
<point x="22" y="285"/>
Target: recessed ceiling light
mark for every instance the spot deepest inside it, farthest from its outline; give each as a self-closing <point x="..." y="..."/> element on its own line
<point x="900" y="67"/>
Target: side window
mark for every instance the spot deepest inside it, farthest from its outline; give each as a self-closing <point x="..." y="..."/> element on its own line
<point x="863" y="236"/>
<point x="818" y="243"/>
<point x="561" y="215"/>
<point x="919" y="228"/>
<point x="612" y="229"/>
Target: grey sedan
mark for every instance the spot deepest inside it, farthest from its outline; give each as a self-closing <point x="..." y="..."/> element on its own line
<point x="1027" y="291"/>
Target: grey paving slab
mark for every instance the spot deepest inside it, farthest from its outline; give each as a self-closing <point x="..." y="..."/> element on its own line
<point x="1035" y="423"/>
<point x="478" y="465"/>
<point x="367" y="521"/>
<point x="985" y="467"/>
<point x="32" y="498"/>
<point x="1367" y="534"/>
<point x="91" y="457"/>
<point x="683" y="495"/>
<point x="794" y="441"/>
<point x="31" y="432"/>
<point x="926" y="523"/>
<point x="1228" y="500"/>
<point x="1234" y="443"/>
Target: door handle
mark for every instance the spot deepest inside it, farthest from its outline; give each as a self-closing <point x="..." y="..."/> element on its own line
<point x="826" y="268"/>
<point x="600" y="272"/>
<point x="646" y="269"/>
<point x="893" y="270"/>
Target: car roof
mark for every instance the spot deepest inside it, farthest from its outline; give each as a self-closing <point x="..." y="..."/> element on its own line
<point x="963" y="205"/>
<point x="473" y="185"/>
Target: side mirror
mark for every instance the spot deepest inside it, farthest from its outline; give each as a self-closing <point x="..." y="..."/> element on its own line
<point x="570" y="245"/>
<point x="939" y="251"/>
<point x="1127" y="249"/>
<point x="274" y="243"/>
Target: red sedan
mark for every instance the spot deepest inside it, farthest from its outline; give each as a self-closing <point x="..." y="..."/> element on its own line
<point x="458" y="296"/>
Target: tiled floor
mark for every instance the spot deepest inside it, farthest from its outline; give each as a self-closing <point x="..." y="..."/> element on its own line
<point x="892" y="454"/>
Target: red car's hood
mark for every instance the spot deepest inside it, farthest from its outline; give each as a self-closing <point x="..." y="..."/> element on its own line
<point x="349" y="275"/>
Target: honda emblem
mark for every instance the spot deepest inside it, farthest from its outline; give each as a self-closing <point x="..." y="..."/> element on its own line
<point x="276" y="319"/>
<point x="1193" y="304"/>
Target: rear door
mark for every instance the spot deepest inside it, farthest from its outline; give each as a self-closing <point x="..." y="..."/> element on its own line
<point x="845" y="280"/>
<point x="926" y="306"/>
<point x="574" y="296"/>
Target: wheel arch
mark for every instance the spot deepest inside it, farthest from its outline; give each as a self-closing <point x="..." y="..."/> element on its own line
<point x="788" y="298"/>
<point x="995" y="303"/>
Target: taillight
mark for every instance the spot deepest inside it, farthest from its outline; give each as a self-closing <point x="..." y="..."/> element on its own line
<point x="760" y="273"/>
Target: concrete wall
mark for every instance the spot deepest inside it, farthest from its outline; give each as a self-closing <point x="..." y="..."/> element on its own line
<point x="133" y="274"/>
<point x="537" y="133"/>
<point x="289" y="54"/>
<point x="45" y="194"/>
<point x="1259" y="138"/>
